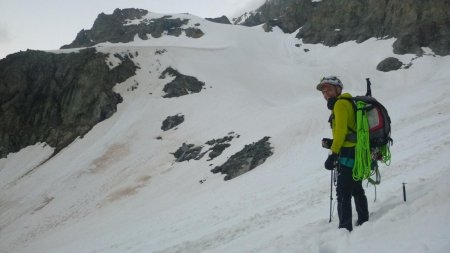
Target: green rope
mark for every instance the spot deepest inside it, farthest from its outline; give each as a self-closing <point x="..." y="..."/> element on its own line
<point x="386" y="155"/>
<point x="363" y="158"/>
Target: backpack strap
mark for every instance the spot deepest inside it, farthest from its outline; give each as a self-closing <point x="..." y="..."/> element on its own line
<point x="352" y="135"/>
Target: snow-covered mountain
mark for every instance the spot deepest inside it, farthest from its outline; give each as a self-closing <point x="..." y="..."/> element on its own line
<point x="119" y="188"/>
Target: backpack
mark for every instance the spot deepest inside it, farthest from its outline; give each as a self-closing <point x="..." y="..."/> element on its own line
<point x="372" y="136"/>
<point x="379" y="122"/>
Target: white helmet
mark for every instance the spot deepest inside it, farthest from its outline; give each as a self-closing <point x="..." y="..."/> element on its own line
<point x="333" y="80"/>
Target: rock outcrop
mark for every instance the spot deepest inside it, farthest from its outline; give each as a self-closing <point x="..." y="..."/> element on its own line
<point x="221" y="20"/>
<point x="216" y="146"/>
<point x="55" y="98"/>
<point x="172" y="121"/>
<point x="414" y="23"/>
<point x="188" y="152"/>
<point x="119" y="27"/>
<point x="248" y="158"/>
<point x="181" y="85"/>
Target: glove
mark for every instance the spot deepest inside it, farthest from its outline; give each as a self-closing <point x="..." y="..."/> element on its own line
<point x="331" y="161"/>
<point x="326" y="143"/>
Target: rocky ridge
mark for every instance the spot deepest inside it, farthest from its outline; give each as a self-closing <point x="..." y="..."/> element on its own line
<point x="414" y="23"/>
<point x="120" y="26"/>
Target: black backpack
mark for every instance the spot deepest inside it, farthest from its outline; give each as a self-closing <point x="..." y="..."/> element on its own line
<point x="379" y="124"/>
<point x="379" y="121"/>
<point x="378" y="118"/>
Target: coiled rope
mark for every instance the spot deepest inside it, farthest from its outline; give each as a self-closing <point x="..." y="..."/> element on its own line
<point x="363" y="159"/>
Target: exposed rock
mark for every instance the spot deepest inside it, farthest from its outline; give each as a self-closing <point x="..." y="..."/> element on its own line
<point x="194" y="32"/>
<point x="221" y="20"/>
<point x="191" y="151"/>
<point x="291" y="14"/>
<point x="219" y="145"/>
<point x="245" y="160"/>
<point x="55" y="98"/>
<point x="268" y="26"/>
<point x="217" y="150"/>
<point x="414" y="23"/>
<point x="181" y="85"/>
<point x="117" y="28"/>
<point x="172" y="121"/>
<point x="389" y="64"/>
<point x="188" y="152"/>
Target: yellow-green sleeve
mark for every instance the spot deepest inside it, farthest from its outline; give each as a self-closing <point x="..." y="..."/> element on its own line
<point x="340" y="127"/>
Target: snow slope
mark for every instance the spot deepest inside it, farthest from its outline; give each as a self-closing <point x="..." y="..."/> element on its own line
<point x="118" y="189"/>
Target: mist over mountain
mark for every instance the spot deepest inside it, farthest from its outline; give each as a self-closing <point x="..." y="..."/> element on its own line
<point x="171" y="133"/>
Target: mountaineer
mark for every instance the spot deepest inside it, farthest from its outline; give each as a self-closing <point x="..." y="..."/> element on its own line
<point x="342" y="156"/>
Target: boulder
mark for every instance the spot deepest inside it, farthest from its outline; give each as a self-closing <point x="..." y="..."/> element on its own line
<point x="389" y="64"/>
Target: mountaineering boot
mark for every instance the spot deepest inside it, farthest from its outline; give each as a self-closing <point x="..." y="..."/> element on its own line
<point x="361" y="209"/>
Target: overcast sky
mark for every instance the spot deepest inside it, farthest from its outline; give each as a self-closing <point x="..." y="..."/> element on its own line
<point x="49" y="24"/>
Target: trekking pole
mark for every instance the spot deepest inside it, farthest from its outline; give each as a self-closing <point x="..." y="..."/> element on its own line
<point x="404" y="192"/>
<point x="331" y="195"/>
<point x="375" y="187"/>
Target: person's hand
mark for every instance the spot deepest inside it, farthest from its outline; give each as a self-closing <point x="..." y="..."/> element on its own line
<point x="326" y="143"/>
<point x="331" y="161"/>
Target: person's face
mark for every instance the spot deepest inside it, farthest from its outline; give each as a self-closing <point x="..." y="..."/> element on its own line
<point x="330" y="91"/>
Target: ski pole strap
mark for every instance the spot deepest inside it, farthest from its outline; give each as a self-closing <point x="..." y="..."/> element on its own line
<point x="363" y="159"/>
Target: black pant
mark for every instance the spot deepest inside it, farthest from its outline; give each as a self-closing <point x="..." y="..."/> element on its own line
<point x="345" y="189"/>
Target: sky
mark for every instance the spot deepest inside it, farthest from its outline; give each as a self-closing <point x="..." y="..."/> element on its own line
<point x="50" y="24"/>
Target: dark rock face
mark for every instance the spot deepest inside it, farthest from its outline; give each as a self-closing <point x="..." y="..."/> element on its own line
<point x="245" y="160"/>
<point x="188" y="152"/>
<point x="269" y="25"/>
<point x="181" y="85"/>
<point x="191" y="151"/>
<point x="219" y="145"/>
<point x="55" y="98"/>
<point x="193" y="32"/>
<point x="389" y="64"/>
<point x="172" y="121"/>
<point x="220" y="20"/>
<point x="288" y="14"/>
<point x="414" y="23"/>
<point x="115" y="28"/>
